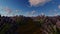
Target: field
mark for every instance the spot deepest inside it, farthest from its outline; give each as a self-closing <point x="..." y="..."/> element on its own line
<point x="30" y="25"/>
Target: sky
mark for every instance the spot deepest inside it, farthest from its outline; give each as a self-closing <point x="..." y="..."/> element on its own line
<point x="29" y="7"/>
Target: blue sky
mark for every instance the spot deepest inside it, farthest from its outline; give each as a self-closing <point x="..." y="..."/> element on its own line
<point x="29" y="7"/>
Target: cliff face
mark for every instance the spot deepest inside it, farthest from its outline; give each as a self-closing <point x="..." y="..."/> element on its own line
<point x="29" y="25"/>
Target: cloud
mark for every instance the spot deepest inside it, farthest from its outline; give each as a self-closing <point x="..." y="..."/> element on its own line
<point x="56" y="14"/>
<point x="28" y="13"/>
<point x="18" y="10"/>
<point x="42" y="14"/>
<point x="38" y="2"/>
<point x="31" y="13"/>
<point x="7" y="9"/>
<point x="59" y="6"/>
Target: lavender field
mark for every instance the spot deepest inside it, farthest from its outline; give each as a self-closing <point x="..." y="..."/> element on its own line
<point x="30" y="25"/>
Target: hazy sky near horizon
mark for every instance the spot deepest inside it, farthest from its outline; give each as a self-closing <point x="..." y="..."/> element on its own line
<point x="29" y="7"/>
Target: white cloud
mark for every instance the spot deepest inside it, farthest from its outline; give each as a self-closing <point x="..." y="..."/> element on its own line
<point x="33" y="12"/>
<point x="42" y="14"/>
<point x="38" y="2"/>
<point x="59" y="6"/>
<point x="17" y="10"/>
<point x="8" y="11"/>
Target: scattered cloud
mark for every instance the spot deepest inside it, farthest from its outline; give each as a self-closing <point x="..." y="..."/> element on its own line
<point x="42" y="14"/>
<point x="31" y="13"/>
<point x="7" y="9"/>
<point x="18" y="10"/>
<point x="28" y="13"/>
<point x="38" y="2"/>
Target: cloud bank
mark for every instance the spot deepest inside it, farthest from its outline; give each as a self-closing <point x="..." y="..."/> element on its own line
<point x="38" y="2"/>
